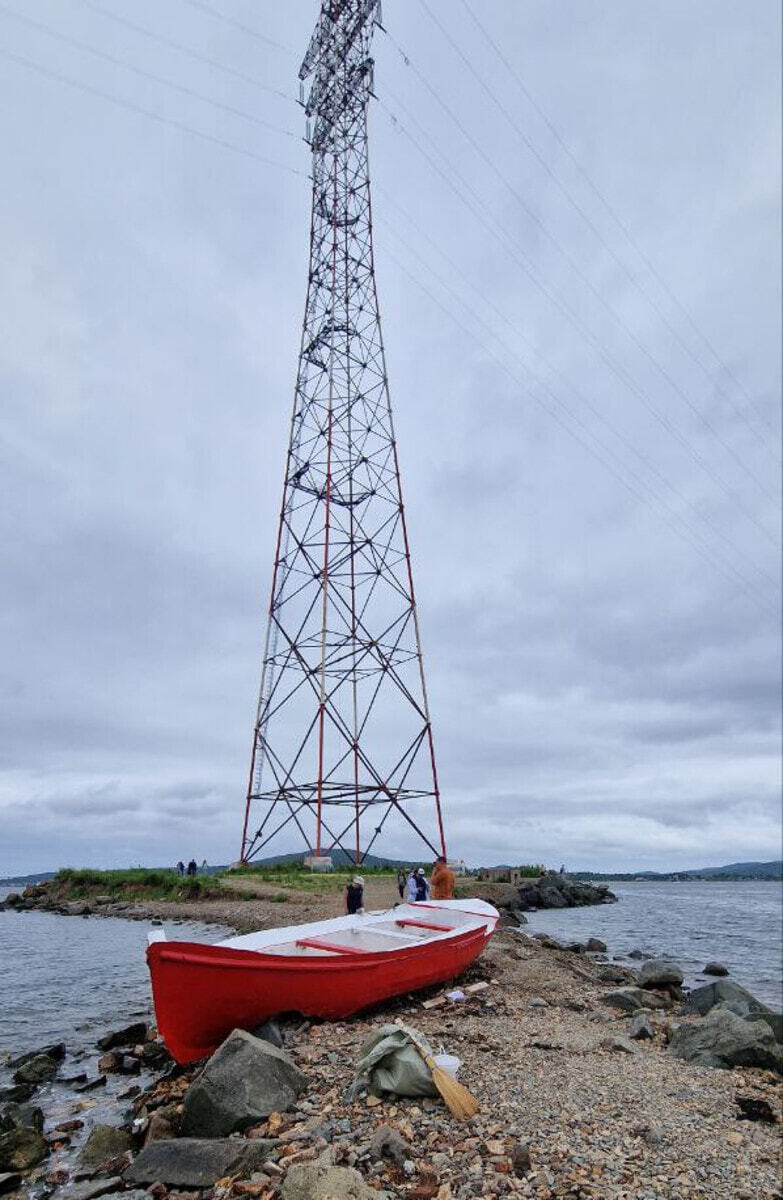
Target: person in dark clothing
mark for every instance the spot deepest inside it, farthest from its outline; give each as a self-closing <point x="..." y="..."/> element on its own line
<point x="402" y="879"/>
<point x="192" y="867"/>
<point x="422" y="886"/>
<point x="354" y="896"/>
<point x="180" y="868"/>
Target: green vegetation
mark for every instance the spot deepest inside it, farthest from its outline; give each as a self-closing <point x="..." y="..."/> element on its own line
<point x="139" y="884"/>
<point x="298" y="877"/>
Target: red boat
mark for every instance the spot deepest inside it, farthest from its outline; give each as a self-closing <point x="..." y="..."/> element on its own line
<point x="329" y="969"/>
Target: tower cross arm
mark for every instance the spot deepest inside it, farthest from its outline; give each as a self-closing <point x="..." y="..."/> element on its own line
<point x="332" y="32"/>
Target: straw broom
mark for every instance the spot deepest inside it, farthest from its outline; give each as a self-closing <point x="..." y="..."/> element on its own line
<point x="458" y="1099"/>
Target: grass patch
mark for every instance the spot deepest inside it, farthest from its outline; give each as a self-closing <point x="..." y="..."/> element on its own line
<point x="139" y="883"/>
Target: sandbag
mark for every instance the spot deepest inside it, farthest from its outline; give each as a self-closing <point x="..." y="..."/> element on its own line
<point x="393" y="1064"/>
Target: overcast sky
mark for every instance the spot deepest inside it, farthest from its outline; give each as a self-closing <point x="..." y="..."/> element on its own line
<point x="592" y="487"/>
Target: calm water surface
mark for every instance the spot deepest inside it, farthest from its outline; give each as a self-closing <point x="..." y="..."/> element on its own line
<point x="739" y="924"/>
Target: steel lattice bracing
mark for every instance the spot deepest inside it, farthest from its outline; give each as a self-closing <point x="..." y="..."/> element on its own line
<point x="342" y="738"/>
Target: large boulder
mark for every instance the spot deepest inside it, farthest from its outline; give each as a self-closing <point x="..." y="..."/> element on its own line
<point x="659" y="973"/>
<point x="724" y="1039"/>
<point x="554" y="890"/>
<point x="773" y="1019"/>
<point x="630" y="999"/>
<point x="198" y="1162"/>
<point x="244" y="1081"/>
<point x="21" y="1149"/>
<point x="731" y="995"/>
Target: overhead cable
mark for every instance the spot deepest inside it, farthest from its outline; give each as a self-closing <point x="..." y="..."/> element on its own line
<point x="626" y="232"/>
<point x="574" y="266"/>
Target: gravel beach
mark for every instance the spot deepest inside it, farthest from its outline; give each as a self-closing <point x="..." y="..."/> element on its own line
<point x="570" y="1105"/>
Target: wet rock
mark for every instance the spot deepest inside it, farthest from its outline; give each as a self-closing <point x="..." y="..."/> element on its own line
<point x="105" y="1142"/>
<point x="576" y="947"/>
<point x="639" y="955"/>
<point x="21" y="1149"/>
<point x="724" y="1039"/>
<point x="9" y="1180"/>
<point x="659" y="973"/>
<point x="156" y="1056"/>
<point x="129" y="1036"/>
<point x="322" y="1181"/>
<point x="133" y="1194"/>
<point x="629" y="999"/>
<point x="55" y="1050"/>
<point x="36" y="1070"/>
<point x="90" y="1085"/>
<point x="595" y="945"/>
<point x="269" y="1031"/>
<point x="17" y="1094"/>
<point x="641" y="1027"/>
<point x="198" y="1162"/>
<point x="21" y="1116"/>
<point x="387" y="1143"/>
<point x="731" y="995"/>
<point x="91" y="1188"/>
<point x="244" y="1081"/>
<point x="715" y="968"/>
<point x="109" y="1061"/>
<point x="129" y="1065"/>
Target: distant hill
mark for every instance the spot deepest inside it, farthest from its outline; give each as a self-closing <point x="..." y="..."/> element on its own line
<point x="339" y="858"/>
<point x="19" y="880"/>
<point x="732" y="871"/>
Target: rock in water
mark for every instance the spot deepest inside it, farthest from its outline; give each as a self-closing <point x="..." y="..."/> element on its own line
<point x="715" y="968"/>
<point x="21" y="1149"/>
<point x="131" y="1035"/>
<point x="730" y="995"/>
<point x="244" y="1081"/>
<point x="595" y="945"/>
<point x="198" y="1162"/>
<point x="36" y="1070"/>
<point x="659" y="973"/>
<point x="105" y="1142"/>
<point x="724" y="1039"/>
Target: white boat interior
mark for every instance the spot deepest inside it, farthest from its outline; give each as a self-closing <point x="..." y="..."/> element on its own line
<point x="373" y="932"/>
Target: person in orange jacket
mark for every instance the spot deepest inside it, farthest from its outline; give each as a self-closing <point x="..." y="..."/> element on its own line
<point x="442" y="881"/>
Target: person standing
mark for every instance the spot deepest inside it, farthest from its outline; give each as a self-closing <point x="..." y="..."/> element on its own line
<point x="192" y="868"/>
<point x="180" y="867"/>
<point x="422" y="886"/>
<point x="411" y="887"/>
<point x="354" y="896"/>
<point x="401" y="881"/>
<point x="442" y="880"/>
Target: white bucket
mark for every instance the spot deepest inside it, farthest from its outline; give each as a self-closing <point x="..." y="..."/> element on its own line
<point x="448" y="1062"/>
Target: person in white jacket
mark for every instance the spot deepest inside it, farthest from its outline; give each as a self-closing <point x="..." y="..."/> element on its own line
<point x="411" y="888"/>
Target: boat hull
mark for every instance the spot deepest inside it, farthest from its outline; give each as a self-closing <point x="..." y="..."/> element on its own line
<point x="202" y="992"/>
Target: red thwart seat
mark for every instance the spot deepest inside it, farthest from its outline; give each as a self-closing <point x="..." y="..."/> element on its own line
<point x="425" y="925"/>
<point x="320" y="944"/>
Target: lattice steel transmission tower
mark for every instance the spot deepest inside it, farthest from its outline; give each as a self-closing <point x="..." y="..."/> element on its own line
<point x="342" y="738"/>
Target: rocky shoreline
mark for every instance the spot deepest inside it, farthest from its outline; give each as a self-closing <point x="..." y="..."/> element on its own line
<point x="595" y="1080"/>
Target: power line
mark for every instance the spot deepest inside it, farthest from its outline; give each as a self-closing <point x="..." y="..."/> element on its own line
<point x="568" y="258"/>
<point x="214" y="12"/>
<point x="30" y="65"/>
<point x="162" y="40"/>
<point x="508" y="242"/>
<point x="624" y="229"/>
<point x="185" y="91"/>
<point x="700" y="548"/>
<point x="584" y="399"/>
